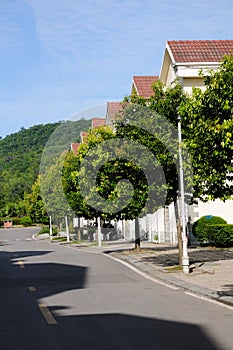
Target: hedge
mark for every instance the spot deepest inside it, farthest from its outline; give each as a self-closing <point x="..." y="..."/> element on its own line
<point x="220" y="235"/>
<point x="200" y="227"/>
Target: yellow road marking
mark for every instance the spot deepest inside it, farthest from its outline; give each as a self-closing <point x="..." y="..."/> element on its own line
<point x="32" y="289"/>
<point x="21" y="264"/>
<point x="47" y="314"/>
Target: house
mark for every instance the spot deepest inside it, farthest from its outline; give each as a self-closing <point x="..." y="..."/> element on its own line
<point x="113" y="110"/>
<point x="184" y="59"/>
<point x="141" y="85"/>
<point x="97" y="122"/>
<point x="74" y="147"/>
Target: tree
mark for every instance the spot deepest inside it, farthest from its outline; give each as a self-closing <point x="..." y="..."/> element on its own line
<point x="119" y="174"/>
<point x="164" y="143"/>
<point x="34" y="205"/>
<point x="207" y="124"/>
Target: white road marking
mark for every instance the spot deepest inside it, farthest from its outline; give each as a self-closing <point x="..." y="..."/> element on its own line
<point x="32" y="289"/>
<point x="216" y="302"/>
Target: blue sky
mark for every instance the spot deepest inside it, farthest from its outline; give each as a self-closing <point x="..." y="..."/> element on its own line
<point x="61" y="57"/>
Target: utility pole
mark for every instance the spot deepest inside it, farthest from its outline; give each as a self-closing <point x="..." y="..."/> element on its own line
<point x="185" y="258"/>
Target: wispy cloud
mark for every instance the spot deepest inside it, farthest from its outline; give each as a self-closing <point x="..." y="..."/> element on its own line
<point x="90" y="33"/>
<point x="73" y="54"/>
<point x="83" y="32"/>
<point x="9" y="27"/>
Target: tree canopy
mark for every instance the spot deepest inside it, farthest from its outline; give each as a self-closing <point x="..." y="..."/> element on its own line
<point x="207" y="121"/>
<point x="20" y="158"/>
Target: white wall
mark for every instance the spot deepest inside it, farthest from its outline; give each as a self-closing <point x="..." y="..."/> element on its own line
<point x="216" y="208"/>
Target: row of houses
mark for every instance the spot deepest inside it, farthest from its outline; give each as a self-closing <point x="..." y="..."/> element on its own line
<point x="183" y="60"/>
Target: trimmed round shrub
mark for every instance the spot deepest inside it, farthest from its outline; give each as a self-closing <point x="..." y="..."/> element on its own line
<point x="200" y="227"/>
<point x="26" y="221"/>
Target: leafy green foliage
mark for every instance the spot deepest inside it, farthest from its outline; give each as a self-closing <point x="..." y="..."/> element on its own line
<point x="220" y="235"/>
<point x="165" y="100"/>
<point x="26" y="221"/>
<point x="46" y="229"/>
<point x="200" y="227"/>
<point x="152" y="131"/>
<point x="20" y="157"/>
<point x="34" y="205"/>
<point x="112" y="179"/>
<point x="19" y="163"/>
<point x="207" y="124"/>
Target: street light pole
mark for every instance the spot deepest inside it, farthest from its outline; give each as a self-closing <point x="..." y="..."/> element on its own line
<point x="185" y="258"/>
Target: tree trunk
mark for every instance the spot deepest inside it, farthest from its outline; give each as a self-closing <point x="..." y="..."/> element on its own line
<point x="137" y="236"/>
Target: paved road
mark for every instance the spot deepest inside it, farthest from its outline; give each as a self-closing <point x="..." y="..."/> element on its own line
<point x="57" y="297"/>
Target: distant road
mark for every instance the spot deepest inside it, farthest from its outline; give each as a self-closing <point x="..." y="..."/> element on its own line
<point x="57" y="297"/>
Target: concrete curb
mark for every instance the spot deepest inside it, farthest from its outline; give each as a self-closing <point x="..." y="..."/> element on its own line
<point x="167" y="278"/>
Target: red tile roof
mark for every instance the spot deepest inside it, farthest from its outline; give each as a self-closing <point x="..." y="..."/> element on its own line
<point x="96" y="122"/>
<point x="200" y="50"/>
<point x="113" y="108"/>
<point x="74" y="147"/>
<point x="143" y="84"/>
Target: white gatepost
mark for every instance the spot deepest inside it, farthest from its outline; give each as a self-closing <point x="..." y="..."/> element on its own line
<point x="50" y="228"/>
<point x="99" y="233"/>
<point x="67" y="230"/>
<point x="150" y="228"/>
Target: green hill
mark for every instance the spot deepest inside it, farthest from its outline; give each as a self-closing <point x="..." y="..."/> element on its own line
<point x="20" y="155"/>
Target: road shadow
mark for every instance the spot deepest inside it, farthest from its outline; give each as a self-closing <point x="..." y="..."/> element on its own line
<point x="127" y="332"/>
<point x="22" y="325"/>
<point x="48" y="278"/>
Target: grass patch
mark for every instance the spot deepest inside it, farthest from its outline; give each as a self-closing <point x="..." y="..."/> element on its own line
<point x="173" y="268"/>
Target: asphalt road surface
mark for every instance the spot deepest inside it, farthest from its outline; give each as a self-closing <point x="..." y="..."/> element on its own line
<point x="57" y="297"/>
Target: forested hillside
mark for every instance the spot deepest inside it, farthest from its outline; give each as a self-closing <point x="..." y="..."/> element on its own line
<point x="20" y="155"/>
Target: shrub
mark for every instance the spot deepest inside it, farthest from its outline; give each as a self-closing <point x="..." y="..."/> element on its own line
<point x="200" y="227"/>
<point x="46" y="229"/>
<point x="220" y="235"/>
<point x="26" y="221"/>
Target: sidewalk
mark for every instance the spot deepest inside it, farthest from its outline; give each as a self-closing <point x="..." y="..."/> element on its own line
<point x="211" y="269"/>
